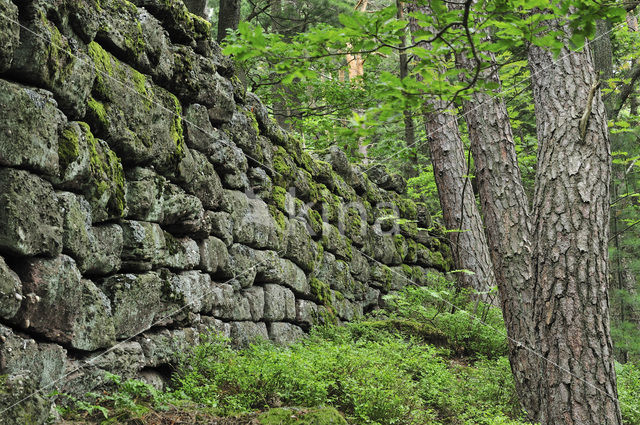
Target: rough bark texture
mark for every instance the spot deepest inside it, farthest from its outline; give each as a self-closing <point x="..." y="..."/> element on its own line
<point x="468" y="241"/>
<point x="551" y="264"/>
<point x="228" y="17"/>
<point x="571" y="211"/>
<point x="468" y="245"/>
<point x="506" y="216"/>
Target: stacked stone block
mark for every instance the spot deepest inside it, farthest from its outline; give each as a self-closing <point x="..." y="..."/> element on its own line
<point x="145" y="197"/>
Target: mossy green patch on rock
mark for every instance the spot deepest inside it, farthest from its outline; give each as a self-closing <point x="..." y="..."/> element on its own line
<point x="52" y="59"/>
<point x="407" y="208"/>
<point x="279" y="217"/>
<point x="412" y="251"/>
<point x="98" y="113"/>
<point x="401" y="245"/>
<point x="177" y="132"/>
<point x="68" y="148"/>
<point x="140" y="84"/>
<point x="295" y="416"/>
<point x="104" y="68"/>
<point x="320" y="291"/>
<point x="252" y="119"/>
<point x="279" y="198"/>
<point x="285" y="169"/>
<point x="106" y="190"/>
<point x="314" y="221"/>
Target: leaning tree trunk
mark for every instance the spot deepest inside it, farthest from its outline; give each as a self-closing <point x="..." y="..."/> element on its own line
<point x="571" y="213"/>
<point x="461" y="216"/>
<point x="506" y="216"/>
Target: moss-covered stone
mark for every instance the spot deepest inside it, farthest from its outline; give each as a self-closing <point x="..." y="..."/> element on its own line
<point x="252" y="119"/>
<point x="30" y="126"/>
<point x="407" y="208"/>
<point x="306" y="188"/>
<point x="50" y="59"/>
<point x="320" y="291"/>
<point x="355" y="226"/>
<point x="401" y="246"/>
<point x="132" y="34"/>
<point x="381" y="276"/>
<point x="10" y="291"/>
<point x="324" y="174"/>
<point x="183" y="26"/>
<point x="431" y="258"/>
<point x="293" y="416"/>
<point x="68" y="148"/>
<point x="284" y="168"/>
<point x="279" y="217"/>
<point x="30" y="219"/>
<point x="9" y="33"/>
<point x="89" y="165"/>
<point x="411" y="255"/>
<point x="314" y="219"/>
<point x="335" y="242"/>
<point x="279" y="198"/>
<point x="140" y="121"/>
<point x="136" y="301"/>
<point x="330" y="206"/>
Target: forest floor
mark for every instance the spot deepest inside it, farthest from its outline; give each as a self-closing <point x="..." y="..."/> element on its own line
<point x="415" y="362"/>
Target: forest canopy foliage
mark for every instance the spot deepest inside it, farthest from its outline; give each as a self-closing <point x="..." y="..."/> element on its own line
<point x="339" y="81"/>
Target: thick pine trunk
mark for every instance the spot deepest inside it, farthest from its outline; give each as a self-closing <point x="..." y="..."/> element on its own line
<point x="551" y="264"/>
<point x="571" y="213"/>
<point x="506" y="216"/>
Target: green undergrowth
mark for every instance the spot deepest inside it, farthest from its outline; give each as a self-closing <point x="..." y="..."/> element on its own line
<point x="418" y="361"/>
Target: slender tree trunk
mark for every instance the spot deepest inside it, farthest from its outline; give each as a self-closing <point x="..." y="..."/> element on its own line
<point x="461" y="216"/>
<point x="409" y="130"/>
<point x="460" y="213"/>
<point x="571" y="232"/>
<point x="228" y="17"/>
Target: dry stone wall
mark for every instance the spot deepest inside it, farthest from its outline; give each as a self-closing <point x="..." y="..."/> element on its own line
<point x="145" y="196"/>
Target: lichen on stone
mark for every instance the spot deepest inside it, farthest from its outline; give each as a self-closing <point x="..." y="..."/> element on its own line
<point x="177" y="132"/>
<point x="104" y="68"/>
<point x="68" y="148"/>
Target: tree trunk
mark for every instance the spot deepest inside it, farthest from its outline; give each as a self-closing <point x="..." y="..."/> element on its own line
<point x="461" y="216"/>
<point x="551" y="264"/>
<point x="411" y="169"/>
<point x="571" y="217"/>
<point x="505" y="208"/>
<point x="228" y="17"/>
